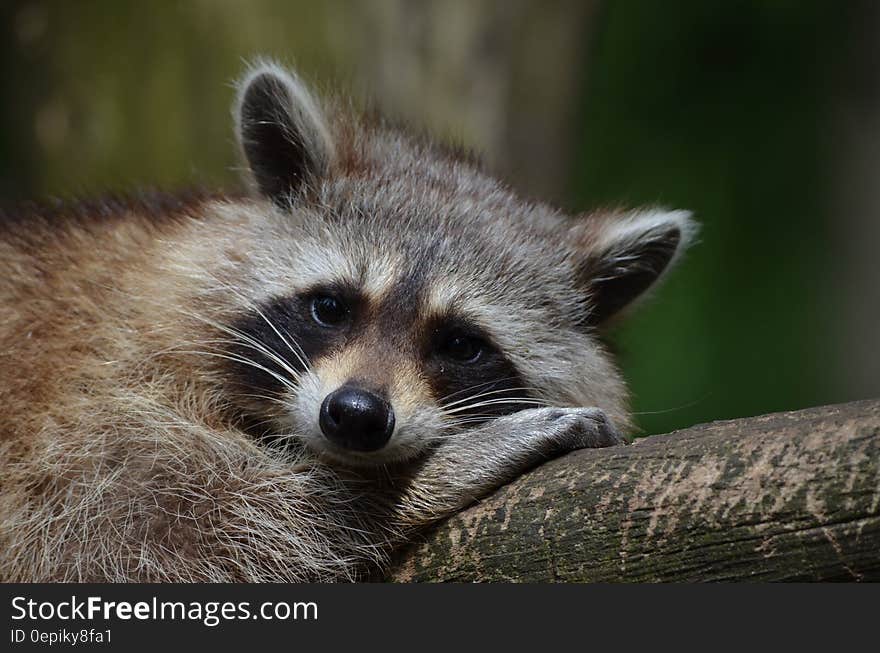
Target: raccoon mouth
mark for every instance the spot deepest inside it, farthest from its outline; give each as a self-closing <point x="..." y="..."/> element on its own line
<point x="400" y="449"/>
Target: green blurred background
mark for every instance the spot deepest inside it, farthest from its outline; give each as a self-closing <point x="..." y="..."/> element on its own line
<point x="762" y="117"/>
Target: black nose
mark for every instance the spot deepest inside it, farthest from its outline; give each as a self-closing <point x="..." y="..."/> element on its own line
<point x="356" y="419"/>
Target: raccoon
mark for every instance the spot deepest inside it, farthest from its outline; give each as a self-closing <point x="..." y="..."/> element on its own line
<point x="287" y="383"/>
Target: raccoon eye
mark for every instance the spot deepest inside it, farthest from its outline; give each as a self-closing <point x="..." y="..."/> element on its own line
<point x="462" y="348"/>
<point x="329" y="311"/>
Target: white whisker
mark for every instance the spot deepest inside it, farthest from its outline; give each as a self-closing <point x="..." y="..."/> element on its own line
<point x="269" y="353"/>
<point x="485" y="394"/>
<point x="301" y="355"/>
<point x="243" y="336"/>
<point x="476" y="386"/>
<point x="244" y="361"/>
<point x="513" y="401"/>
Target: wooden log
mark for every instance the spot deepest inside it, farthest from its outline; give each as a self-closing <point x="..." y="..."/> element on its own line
<point x="783" y="497"/>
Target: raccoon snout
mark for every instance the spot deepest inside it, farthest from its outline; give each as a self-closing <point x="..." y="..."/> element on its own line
<point x="356" y="419"/>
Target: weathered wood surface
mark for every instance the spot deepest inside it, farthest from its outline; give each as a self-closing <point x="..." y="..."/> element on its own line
<point x="783" y="497"/>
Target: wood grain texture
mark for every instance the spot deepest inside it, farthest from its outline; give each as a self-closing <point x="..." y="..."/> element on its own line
<point x="782" y="497"/>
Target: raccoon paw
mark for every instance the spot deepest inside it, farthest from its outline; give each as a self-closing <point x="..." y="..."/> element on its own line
<point x="566" y="429"/>
<point x="470" y="464"/>
<point x="588" y="428"/>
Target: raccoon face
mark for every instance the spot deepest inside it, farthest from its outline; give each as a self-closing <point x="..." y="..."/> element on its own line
<point x="403" y="294"/>
<point x="367" y="369"/>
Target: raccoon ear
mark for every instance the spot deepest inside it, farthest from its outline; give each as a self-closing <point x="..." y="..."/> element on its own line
<point x="282" y="132"/>
<point x="624" y="255"/>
